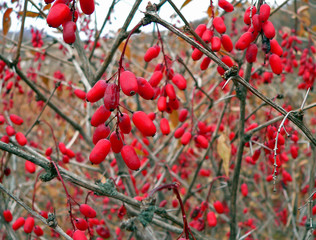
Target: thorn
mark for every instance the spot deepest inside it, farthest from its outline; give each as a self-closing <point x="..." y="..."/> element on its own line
<point x="226" y="83"/>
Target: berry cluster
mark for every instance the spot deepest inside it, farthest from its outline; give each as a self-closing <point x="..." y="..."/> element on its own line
<point x="63" y="13"/>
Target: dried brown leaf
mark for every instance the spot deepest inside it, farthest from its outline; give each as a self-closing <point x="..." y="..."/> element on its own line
<point x="224" y="151"/>
<point x="6" y="21"/>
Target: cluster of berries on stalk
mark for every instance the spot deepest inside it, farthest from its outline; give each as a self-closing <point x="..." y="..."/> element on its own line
<point x="63" y="13"/>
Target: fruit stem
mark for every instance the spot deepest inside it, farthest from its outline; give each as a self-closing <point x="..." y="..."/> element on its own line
<point x="123" y="53"/>
<point x="174" y="186"/>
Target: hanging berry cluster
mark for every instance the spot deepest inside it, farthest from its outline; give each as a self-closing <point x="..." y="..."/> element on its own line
<point x="63" y="13"/>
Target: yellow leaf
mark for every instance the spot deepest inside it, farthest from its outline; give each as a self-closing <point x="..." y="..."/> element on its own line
<point x="6" y="21"/>
<point x="47" y="7"/>
<point x="224" y="151"/>
<point x="174" y="118"/>
<point x="127" y="50"/>
<point x="209" y="11"/>
<point x="30" y="14"/>
<point x="185" y="3"/>
<point x="45" y="80"/>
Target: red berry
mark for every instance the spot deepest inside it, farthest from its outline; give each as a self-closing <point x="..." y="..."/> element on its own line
<point x="97" y="91"/>
<point x="162" y="104"/>
<point x="268" y="29"/>
<point x="143" y="123"/>
<point x="218" y="206"/>
<point x="62" y="148"/>
<point x="202" y="141"/>
<point x="30" y="167"/>
<point x="111" y="96"/>
<point x="207" y="35"/>
<point x="18" y="223"/>
<point x="244" y="41"/>
<point x="164" y="126"/>
<point x="57" y="15"/>
<point x="100" y="116"/>
<point x="103" y="232"/>
<point x="145" y="89"/>
<point x="247" y="19"/>
<point x="219" y="25"/>
<point x="244" y="189"/>
<point x="79" y="235"/>
<point x="16" y="119"/>
<point x="196" y="54"/>
<point x="70" y="153"/>
<point x="145" y="187"/>
<point x="130" y="157"/>
<point x="264" y="12"/>
<point x="227" y="42"/>
<point x="155" y="78"/>
<point x="80" y="94"/>
<point x="205" y="63"/>
<point x="216" y="44"/>
<point x="116" y="141"/>
<point x="251" y="53"/>
<point x="81" y="224"/>
<point x="29" y="225"/>
<point x="38" y="231"/>
<point x="5" y="139"/>
<point x="2" y="119"/>
<point x="100" y="151"/>
<point x="228" y="7"/>
<point x="69" y="32"/>
<point x="211" y="219"/>
<point x="171" y="93"/>
<point x="257" y="24"/>
<point x="10" y="130"/>
<point x="87" y="211"/>
<point x="87" y="6"/>
<point x="200" y="29"/>
<point x="275" y="64"/>
<point x="179" y="132"/>
<point x="151" y="53"/>
<point x="276" y="48"/>
<point x="179" y="81"/>
<point x="294" y="151"/>
<point x="186" y="137"/>
<point x="228" y="61"/>
<point x="20" y="138"/>
<point x="183" y="114"/>
<point x="7" y="215"/>
<point x="125" y="123"/>
<point x="128" y="83"/>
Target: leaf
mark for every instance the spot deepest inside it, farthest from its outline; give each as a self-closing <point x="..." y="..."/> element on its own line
<point x="209" y="11"/>
<point x="127" y="50"/>
<point x="224" y="151"/>
<point x="45" y="80"/>
<point x="29" y="14"/>
<point x="185" y="3"/>
<point x="174" y="118"/>
<point x="6" y="21"/>
<point x="47" y="7"/>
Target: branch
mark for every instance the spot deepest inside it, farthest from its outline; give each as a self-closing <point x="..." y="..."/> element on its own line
<point x="102" y="27"/>
<point x="21" y="32"/>
<point x="119" y="39"/>
<point x="35" y="214"/>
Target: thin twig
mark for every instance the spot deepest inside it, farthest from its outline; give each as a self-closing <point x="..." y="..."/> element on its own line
<point x="21" y="32"/>
<point x="35" y="214"/>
